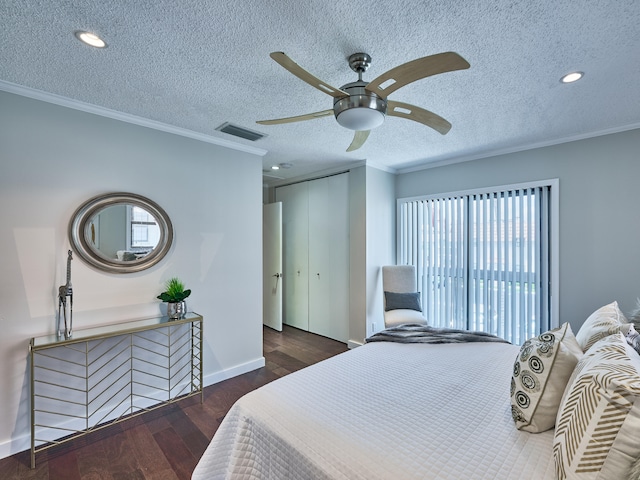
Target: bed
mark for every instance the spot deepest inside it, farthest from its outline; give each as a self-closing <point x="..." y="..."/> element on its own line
<point x="408" y="406"/>
<point x="384" y="410"/>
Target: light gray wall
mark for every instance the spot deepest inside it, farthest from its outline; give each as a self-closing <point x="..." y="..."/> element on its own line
<point x="372" y="234"/>
<point x="381" y="214"/>
<point x="357" y="255"/>
<point x="599" y="212"/>
<point x="53" y="159"/>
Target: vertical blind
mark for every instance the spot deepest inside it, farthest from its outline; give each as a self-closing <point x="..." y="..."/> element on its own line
<point x="482" y="260"/>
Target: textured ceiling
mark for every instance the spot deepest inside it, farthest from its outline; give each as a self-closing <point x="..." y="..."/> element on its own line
<point x="195" y="64"/>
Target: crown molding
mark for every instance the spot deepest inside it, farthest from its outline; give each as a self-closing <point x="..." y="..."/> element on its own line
<point x="125" y="117"/>
<point x="381" y="167"/>
<point x="507" y="151"/>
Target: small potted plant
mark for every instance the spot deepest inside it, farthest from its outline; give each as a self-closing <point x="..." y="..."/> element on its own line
<point x="174" y="296"/>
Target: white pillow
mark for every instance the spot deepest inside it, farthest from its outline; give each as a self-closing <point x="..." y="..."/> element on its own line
<point x="393" y="318"/>
<point x="605" y="321"/>
<point x="540" y="375"/>
<point x="596" y="435"/>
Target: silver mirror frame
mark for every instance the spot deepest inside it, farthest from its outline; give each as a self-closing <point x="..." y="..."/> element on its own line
<point x="80" y="221"/>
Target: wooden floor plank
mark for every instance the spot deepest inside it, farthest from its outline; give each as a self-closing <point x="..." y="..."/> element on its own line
<point x="92" y="462"/>
<point x="191" y="435"/>
<point x="150" y="458"/>
<point x="118" y="451"/>
<point x="176" y="452"/>
<point x="204" y="417"/>
<point x="166" y="443"/>
<point x="64" y="466"/>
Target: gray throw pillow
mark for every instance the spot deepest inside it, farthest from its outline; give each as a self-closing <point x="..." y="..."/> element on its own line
<point x="407" y="301"/>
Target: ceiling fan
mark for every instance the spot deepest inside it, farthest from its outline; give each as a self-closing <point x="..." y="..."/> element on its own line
<point x="362" y="106"/>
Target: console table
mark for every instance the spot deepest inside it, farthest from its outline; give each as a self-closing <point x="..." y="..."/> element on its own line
<point x="106" y="374"/>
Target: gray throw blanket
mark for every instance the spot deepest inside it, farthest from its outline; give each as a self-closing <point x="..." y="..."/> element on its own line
<point x="420" y="333"/>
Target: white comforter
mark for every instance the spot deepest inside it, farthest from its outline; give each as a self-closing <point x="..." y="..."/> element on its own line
<point x="383" y="411"/>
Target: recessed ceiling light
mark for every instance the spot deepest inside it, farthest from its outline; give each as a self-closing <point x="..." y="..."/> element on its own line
<point x="275" y="167"/>
<point x="572" y="77"/>
<point x="90" y="39"/>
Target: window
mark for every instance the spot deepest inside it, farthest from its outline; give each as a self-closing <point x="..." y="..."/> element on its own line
<point x="483" y="258"/>
<point x="144" y="230"/>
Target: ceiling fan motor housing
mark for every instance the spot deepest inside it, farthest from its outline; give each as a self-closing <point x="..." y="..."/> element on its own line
<point x="361" y="110"/>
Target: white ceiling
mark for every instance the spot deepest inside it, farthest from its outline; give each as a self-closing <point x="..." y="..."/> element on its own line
<point x="195" y="64"/>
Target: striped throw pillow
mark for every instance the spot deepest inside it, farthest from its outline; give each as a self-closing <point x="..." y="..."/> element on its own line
<point x="605" y="321"/>
<point x="596" y="435"/>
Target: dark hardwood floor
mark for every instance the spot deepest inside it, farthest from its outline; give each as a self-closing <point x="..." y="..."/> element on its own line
<point x="168" y="442"/>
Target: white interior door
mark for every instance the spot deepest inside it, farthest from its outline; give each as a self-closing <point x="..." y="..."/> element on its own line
<point x="272" y="265"/>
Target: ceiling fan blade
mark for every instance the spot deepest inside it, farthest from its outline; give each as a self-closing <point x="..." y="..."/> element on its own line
<point x="415" y="70"/>
<point x="302" y="74"/>
<point x="417" y="114"/>
<point x="299" y="118"/>
<point x="358" y="140"/>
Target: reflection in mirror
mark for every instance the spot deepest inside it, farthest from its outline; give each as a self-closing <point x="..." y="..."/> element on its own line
<point x="121" y="232"/>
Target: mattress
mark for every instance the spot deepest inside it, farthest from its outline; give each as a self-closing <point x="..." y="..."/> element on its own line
<point x="383" y="411"/>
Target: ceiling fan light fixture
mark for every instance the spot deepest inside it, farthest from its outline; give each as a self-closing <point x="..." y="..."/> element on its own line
<point x="360" y="118"/>
<point x="572" y="77"/>
<point x="361" y="110"/>
<point x="90" y="39"/>
<point x="362" y="106"/>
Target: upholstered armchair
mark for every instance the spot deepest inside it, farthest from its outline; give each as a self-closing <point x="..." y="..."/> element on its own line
<point x="401" y="298"/>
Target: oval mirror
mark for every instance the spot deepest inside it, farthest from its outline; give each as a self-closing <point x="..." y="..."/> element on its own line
<point x="121" y="232"/>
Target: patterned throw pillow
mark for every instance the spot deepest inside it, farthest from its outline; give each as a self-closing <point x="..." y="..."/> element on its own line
<point x="603" y="322"/>
<point x="596" y="434"/>
<point x="540" y="375"/>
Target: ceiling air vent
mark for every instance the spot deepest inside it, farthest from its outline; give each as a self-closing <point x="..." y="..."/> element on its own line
<point x="241" y="132"/>
<point x="269" y="174"/>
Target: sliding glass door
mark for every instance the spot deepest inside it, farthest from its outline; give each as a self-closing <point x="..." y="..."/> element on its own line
<point x="482" y="259"/>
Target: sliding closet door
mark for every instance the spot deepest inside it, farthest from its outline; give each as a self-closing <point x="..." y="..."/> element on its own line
<point x="295" y="247"/>
<point x="315" y="242"/>
<point x="329" y="257"/>
<point x="319" y="249"/>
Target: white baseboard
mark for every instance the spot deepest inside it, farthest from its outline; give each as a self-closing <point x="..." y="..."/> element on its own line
<point x="218" y="377"/>
<point x="353" y="344"/>
<point x="15" y="445"/>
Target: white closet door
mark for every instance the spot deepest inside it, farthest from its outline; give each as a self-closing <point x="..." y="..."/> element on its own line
<point x="319" y="251"/>
<point x="329" y="257"/>
<point x="295" y="247"/>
